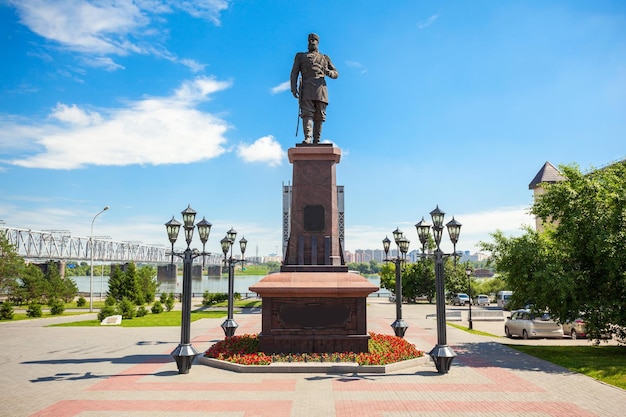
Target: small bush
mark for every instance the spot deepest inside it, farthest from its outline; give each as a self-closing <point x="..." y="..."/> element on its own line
<point x="126" y="309"/>
<point x="56" y="306"/>
<point x="81" y="302"/>
<point x="139" y="300"/>
<point x="213" y="298"/>
<point x="157" y="307"/>
<point x="106" y="312"/>
<point x="169" y="302"/>
<point x="141" y="311"/>
<point x="6" y="311"/>
<point x="110" y="301"/>
<point x="34" y="310"/>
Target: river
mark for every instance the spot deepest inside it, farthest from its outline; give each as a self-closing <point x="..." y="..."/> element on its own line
<point x="198" y="286"/>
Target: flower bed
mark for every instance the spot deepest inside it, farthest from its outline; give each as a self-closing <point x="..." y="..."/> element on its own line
<point x="383" y="350"/>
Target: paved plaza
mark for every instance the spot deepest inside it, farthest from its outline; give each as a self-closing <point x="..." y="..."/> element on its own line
<point x="115" y="371"/>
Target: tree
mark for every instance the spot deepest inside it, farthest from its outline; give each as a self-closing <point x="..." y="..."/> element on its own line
<point x="418" y="280"/>
<point x="123" y="284"/>
<point x="11" y="265"/>
<point x="577" y="267"/>
<point x="146" y="284"/>
<point x="32" y="285"/>
<point x="58" y="286"/>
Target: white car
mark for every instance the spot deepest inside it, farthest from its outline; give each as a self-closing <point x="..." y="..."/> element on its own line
<point x="481" y="300"/>
<point x="525" y="324"/>
<point x="460" y="299"/>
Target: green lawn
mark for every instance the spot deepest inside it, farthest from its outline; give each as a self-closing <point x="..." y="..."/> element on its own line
<point x="171" y="318"/>
<point x="604" y="363"/>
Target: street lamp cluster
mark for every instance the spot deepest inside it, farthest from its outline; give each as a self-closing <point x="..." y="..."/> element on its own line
<point x="441" y="354"/>
<point x="402" y="247"/>
<point x="185" y="353"/>
<point x="230" y="325"/>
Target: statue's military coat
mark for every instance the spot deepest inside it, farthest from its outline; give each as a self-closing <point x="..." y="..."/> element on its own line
<point x="313" y="66"/>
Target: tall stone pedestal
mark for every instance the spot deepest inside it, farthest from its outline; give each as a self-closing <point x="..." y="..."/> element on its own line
<point x="314" y="305"/>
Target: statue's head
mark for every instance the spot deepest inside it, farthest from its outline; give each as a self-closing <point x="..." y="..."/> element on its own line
<point x="314" y="40"/>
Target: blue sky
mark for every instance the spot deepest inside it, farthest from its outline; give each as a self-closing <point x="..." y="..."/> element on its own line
<point x="147" y="106"/>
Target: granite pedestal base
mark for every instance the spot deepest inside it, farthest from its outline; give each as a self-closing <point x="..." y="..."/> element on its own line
<point x="314" y="312"/>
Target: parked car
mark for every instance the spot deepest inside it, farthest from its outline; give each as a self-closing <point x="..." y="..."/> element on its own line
<point x="460" y="299"/>
<point x="525" y="324"/>
<point x="481" y="300"/>
<point x="576" y="329"/>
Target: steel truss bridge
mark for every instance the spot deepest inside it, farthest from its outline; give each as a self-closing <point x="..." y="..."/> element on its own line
<point x="44" y="246"/>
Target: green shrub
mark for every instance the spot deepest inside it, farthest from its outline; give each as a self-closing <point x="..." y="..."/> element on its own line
<point x="126" y="308"/>
<point x="141" y="311"/>
<point x="56" y="306"/>
<point x="81" y="302"/>
<point x="213" y="298"/>
<point x="6" y="311"/>
<point x="157" y="307"/>
<point x="110" y="301"/>
<point x="34" y="310"/>
<point x="106" y="311"/>
<point x="169" y="302"/>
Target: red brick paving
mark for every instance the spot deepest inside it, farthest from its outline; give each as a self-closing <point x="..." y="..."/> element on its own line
<point x="486" y="379"/>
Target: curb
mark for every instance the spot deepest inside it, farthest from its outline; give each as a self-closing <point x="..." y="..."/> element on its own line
<point x="314" y="367"/>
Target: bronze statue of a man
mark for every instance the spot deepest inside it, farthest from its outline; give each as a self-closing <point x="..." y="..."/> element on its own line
<point x="313" y="94"/>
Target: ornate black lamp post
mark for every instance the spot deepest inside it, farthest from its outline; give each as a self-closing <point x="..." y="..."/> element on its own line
<point x="441" y="354"/>
<point x="185" y="353"/>
<point x="402" y="244"/>
<point x="468" y="272"/>
<point x="230" y="325"/>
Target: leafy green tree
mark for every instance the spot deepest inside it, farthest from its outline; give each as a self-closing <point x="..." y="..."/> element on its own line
<point x="589" y="214"/>
<point x="577" y="267"/>
<point x="11" y="266"/>
<point x="58" y="286"/>
<point x="272" y="266"/>
<point x="32" y="285"/>
<point x="147" y="284"/>
<point x="455" y="278"/>
<point x="418" y="280"/>
<point x="388" y="276"/>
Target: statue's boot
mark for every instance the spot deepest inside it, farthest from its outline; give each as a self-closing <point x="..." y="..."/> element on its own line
<point x="307" y="127"/>
<point x="317" y="131"/>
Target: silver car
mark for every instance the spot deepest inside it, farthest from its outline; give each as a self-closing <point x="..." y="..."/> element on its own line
<point x="525" y="324"/>
<point x="481" y="300"/>
<point x="578" y="329"/>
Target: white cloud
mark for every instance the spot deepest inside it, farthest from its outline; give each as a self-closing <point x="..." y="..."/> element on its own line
<point x="475" y="227"/>
<point x="281" y="87"/>
<point x="142" y="132"/>
<point x="102" y="62"/>
<point x="430" y="21"/>
<point x="75" y="116"/>
<point x="193" y="65"/>
<point x="357" y="65"/>
<point x="94" y="27"/>
<point x="265" y="149"/>
<point x="97" y="28"/>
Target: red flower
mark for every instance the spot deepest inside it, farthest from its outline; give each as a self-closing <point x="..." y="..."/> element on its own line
<point x="383" y="350"/>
